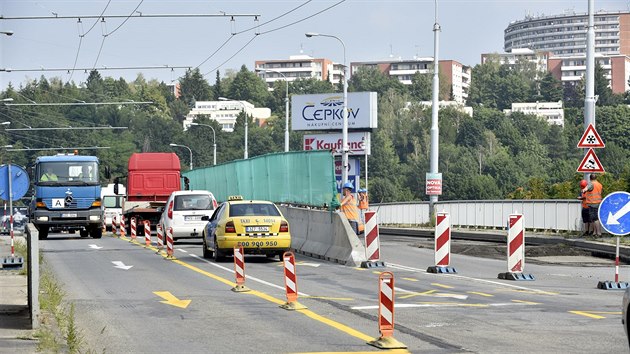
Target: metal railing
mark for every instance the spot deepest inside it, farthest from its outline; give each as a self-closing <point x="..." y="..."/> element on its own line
<point x="552" y="214"/>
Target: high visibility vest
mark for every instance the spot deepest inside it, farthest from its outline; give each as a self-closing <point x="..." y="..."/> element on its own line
<point x="351" y="211"/>
<point x="594" y="196"/>
<point x="363" y="201"/>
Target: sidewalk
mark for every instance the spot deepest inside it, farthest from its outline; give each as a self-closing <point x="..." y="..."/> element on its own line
<point x="15" y="333"/>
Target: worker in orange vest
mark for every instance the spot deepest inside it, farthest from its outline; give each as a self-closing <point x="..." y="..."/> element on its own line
<point x="363" y="202"/>
<point x="593" y="197"/>
<point x="350" y="210"/>
<point x="586" y="217"/>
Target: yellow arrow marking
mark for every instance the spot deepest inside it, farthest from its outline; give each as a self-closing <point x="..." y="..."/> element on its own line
<point x="478" y="293"/>
<point x="593" y="314"/>
<point x="376" y="272"/>
<point x="416" y="294"/>
<point x="411" y="279"/>
<point x="526" y="302"/>
<point x="442" y="286"/>
<point x="170" y="299"/>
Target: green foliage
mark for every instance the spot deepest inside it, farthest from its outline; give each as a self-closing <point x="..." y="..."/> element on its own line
<point x="249" y="86"/>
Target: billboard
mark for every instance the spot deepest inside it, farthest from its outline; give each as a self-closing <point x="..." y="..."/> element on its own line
<point x="359" y="142"/>
<point x="325" y="111"/>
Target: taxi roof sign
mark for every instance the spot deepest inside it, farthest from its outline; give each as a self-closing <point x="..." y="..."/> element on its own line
<point x="235" y="197"/>
<point x="591" y="139"/>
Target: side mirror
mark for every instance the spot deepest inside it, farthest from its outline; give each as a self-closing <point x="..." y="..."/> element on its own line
<point x="108" y="172"/>
<point x="116" y="180"/>
<point x="186" y="183"/>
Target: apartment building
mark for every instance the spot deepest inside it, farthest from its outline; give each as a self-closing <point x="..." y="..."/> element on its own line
<point x="298" y="67"/>
<point x="552" y="112"/>
<point x="226" y="112"/>
<point x="517" y="55"/>
<point x="457" y="75"/>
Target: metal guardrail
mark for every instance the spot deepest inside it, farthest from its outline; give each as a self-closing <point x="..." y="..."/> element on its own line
<point x="558" y="215"/>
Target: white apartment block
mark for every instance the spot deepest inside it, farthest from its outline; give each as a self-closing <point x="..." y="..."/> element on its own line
<point x="457" y="75"/>
<point x="298" y="67"/>
<point x="551" y="112"/>
<point x="443" y="104"/>
<point x="226" y="112"/>
<point x="520" y="55"/>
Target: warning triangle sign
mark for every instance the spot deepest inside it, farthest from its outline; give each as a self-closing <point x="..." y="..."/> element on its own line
<point x="591" y="139"/>
<point x="590" y="163"/>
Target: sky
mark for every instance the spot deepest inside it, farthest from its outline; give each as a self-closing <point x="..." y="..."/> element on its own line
<point x="369" y="29"/>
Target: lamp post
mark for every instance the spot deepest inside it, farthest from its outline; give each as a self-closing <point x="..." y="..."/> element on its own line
<point x="286" y="108"/>
<point x="344" y="152"/>
<point x="246" y="119"/>
<point x="190" y="151"/>
<point x="214" y="142"/>
<point x="8" y="33"/>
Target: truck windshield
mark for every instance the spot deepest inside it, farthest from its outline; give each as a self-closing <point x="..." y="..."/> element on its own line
<point x="68" y="172"/>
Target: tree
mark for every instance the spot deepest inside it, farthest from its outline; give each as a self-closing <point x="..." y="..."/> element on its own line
<point x="247" y="86"/>
<point x="368" y="79"/>
<point x="421" y="87"/>
<point x="193" y="87"/>
<point x="550" y="88"/>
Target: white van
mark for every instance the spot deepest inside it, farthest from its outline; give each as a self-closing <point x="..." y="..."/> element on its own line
<point x="112" y="203"/>
<point x="184" y="210"/>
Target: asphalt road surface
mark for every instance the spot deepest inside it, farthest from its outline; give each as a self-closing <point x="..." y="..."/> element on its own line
<point x="130" y="299"/>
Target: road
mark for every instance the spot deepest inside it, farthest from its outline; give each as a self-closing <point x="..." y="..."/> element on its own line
<point x="123" y="310"/>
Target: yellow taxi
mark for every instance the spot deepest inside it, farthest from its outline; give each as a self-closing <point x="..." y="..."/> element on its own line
<point x="257" y="225"/>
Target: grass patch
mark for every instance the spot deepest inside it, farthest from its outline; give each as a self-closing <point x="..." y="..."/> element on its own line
<point x="58" y="332"/>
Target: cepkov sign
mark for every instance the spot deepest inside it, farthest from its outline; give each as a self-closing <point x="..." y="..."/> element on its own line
<point x="359" y="142"/>
<point x="325" y="111"/>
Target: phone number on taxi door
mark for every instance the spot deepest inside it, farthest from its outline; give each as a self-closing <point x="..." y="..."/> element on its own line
<point x="258" y="243"/>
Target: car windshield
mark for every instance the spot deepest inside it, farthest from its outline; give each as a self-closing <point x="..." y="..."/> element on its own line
<point x="251" y="209"/>
<point x="193" y="202"/>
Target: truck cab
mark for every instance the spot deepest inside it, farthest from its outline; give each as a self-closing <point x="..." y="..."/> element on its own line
<point x="67" y="195"/>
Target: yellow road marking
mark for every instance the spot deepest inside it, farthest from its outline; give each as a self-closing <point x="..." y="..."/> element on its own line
<point x="594" y="314"/>
<point x="395" y="351"/>
<point x="328" y="298"/>
<point x="358" y="268"/>
<point x="339" y="326"/>
<point x="478" y="293"/>
<point x="376" y="272"/>
<point x="442" y="285"/>
<point x="172" y="300"/>
<point x="406" y="296"/>
<point x="523" y="291"/>
<point x="526" y="302"/>
<point x="411" y="279"/>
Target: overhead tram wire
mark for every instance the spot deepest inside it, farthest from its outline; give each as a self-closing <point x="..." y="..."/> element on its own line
<point x="102" y="68"/>
<point x="80" y="25"/>
<point x="105" y="35"/>
<point x="272" y="30"/>
<point x="249" y="29"/>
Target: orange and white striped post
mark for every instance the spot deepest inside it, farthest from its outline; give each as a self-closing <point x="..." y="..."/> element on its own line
<point x="160" y="237"/>
<point x="239" y="269"/>
<point x="372" y="242"/>
<point x="123" y="226"/>
<point x="516" y="250"/>
<point x="147" y="233"/>
<point x="169" y="242"/>
<point x="442" y="244"/>
<point x="290" y="283"/>
<point x="386" y="314"/>
<point x="114" y="226"/>
<point x="133" y="228"/>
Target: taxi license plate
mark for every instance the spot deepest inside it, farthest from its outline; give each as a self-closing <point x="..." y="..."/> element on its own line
<point x="192" y="218"/>
<point x="257" y="229"/>
<point x="71" y="215"/>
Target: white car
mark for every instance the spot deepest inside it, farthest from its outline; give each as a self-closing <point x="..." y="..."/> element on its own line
<point x="184" y="211"/>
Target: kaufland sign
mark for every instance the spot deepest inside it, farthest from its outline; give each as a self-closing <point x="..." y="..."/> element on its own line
<point x="359" y="143"/>
<point x="325" y="111"/>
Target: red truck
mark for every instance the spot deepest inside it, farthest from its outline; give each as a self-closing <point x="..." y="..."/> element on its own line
<point x="151" y="178"/>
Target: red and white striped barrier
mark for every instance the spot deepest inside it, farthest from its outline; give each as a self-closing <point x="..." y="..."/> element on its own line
<point x="169" y="242"/>
<point x="386" y="297"/>
<point x="114" y="226"/>
<point x="516" y="250"/>
<point x="239" y="269"/>
<point x="147" y="233"/>
<point x="160" y="237"/>
<point x="372" y="242"/>
<point x="123" y="226"/>
<point x="133" y="230"/>
<point x="290" y="282"/>
<point x="442" y="244"/>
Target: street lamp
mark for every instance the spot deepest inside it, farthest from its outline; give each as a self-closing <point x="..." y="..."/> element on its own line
<point x="190" y="151"/>
<point x="344" y="152"/>
<point x="246" y="119"/>
<point x="286" y="108"/>
<point x="214" y="141"/>
<point x="8" y="33"/>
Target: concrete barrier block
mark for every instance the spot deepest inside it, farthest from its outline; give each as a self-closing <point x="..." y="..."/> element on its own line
<point x="298" y="225"/>
<point x="346" y="247"/>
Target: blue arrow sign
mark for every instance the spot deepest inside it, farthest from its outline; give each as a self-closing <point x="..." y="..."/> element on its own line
<point x="614" y="213"/>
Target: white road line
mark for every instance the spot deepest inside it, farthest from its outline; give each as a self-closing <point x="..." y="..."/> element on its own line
<point x="375" y="307"/>
<point x="181" y="250"/>
<point x="246" y="276"/>
<point x="418" y="270"/>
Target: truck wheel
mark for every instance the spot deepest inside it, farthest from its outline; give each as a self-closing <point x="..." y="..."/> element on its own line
<point x="96" y="232"/>
<point x="43" y="232"/>
<point x="84" y="233"/>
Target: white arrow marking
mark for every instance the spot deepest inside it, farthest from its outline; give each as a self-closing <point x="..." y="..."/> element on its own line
<point x="454" y="296"/>
<point x="613" y="219"/>
<point x="95" y="247"/>
<point x="121" y="265"/>
<point x="314" y="265"/>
